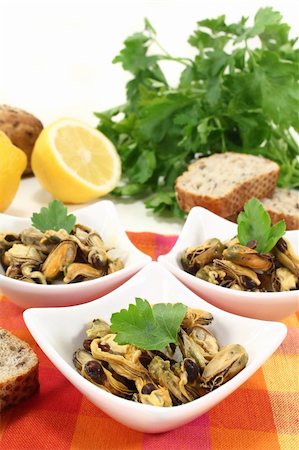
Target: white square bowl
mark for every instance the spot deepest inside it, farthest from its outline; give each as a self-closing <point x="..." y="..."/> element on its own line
<point x="103" y="218"/>
<point x="60" y="331"/>
<point x="201" y="225"/>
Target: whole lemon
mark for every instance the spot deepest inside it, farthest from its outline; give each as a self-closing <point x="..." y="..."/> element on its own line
<point x="13" y="162"/>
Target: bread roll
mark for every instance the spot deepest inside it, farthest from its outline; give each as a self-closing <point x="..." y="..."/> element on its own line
<point x="22" y="129"/>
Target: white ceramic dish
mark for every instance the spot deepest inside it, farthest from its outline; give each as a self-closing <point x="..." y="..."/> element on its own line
<point x="101" y="217"/>
<point x="202" y="224"/>
<point x="60" y="331"/>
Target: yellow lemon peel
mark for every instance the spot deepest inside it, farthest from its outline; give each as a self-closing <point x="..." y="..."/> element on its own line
<point x="13" y="162"/>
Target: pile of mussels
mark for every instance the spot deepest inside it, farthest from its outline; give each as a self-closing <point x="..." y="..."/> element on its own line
<point x="240" y="267"/>
<point x="179" y="374"/>
<point x="44" y="258"/>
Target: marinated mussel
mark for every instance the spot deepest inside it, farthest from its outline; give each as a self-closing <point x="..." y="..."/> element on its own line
<point x="179" y="374"/>
<point x="56" y="256"/>
<point x="224" y="365"/>
<point x="194" y="258"/>
<point x="235" y="266"/>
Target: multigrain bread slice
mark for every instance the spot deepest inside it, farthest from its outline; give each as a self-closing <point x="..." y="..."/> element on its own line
<point x="18" y="370"/>
<point x="223" y="182"/>
<point x="283" y="204"/>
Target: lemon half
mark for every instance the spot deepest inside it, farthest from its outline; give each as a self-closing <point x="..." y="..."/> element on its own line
<point x="75" y="162"/>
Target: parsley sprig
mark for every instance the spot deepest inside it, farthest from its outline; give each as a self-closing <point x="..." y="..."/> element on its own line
<point x="148" y="327"/>
<point x="239" y="93"/>
<point x="53" y="217"/>
<point x="254" y="224"/>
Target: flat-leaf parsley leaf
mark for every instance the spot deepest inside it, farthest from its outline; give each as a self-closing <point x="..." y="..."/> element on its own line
<point x="239" y="92"/>
<point x="148" y="327"/>
<point x="54" y="217"/>
<point x="254" y="224"/>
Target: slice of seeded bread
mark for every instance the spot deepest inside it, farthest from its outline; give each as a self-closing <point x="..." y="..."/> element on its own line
<point x="18" y="370"/>
<point x="283" y="204"/>
<point x="223" y="182"/>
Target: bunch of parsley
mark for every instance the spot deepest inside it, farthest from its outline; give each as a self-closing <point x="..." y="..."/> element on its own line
<point x="239" y="93"/>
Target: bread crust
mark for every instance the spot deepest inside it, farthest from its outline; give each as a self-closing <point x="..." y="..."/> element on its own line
<point x="283" y="205"/>
<point x="17" y="385"/>
<point x="292" y="222"/>
<point x="231" y="202"/>
<point x="279" y="208"/>
<point x="22" y="128"/>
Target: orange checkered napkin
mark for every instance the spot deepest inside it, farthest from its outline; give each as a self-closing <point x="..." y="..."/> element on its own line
<point x="261" y="415"/>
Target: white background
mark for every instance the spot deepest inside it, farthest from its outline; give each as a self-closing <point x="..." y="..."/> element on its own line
<point x="56" y="60"/>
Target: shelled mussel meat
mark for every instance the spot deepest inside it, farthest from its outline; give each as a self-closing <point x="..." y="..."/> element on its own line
<point x="196" y="257"/>
<point x="56" y="256"/>
<point x="179" y="374"/>
<point x="241" y="267"/>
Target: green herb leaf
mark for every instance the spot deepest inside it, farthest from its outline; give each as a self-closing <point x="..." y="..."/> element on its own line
<point x="239" y="92"/>
<point x="264" y="18"/>
<point x="54" y="217"/>
<point x="148" y="327"/>
<point x="254" y="223"/>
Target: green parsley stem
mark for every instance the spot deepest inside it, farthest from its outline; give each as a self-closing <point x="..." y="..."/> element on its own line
<point x="167" y="55"/>
<point x="184" y="61"/>
<point x="287" y="136"/>
<point x="220" y="127"/>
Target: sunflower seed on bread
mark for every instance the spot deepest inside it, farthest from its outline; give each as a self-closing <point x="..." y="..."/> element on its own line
<point x="18" y="370"/>
<point x="223" y="182"/>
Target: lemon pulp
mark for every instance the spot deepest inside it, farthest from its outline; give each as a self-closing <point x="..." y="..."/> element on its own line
<point x="74" y="162"/>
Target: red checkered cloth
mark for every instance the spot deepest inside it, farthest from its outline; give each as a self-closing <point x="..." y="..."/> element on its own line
<point x="262" y="414"/>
